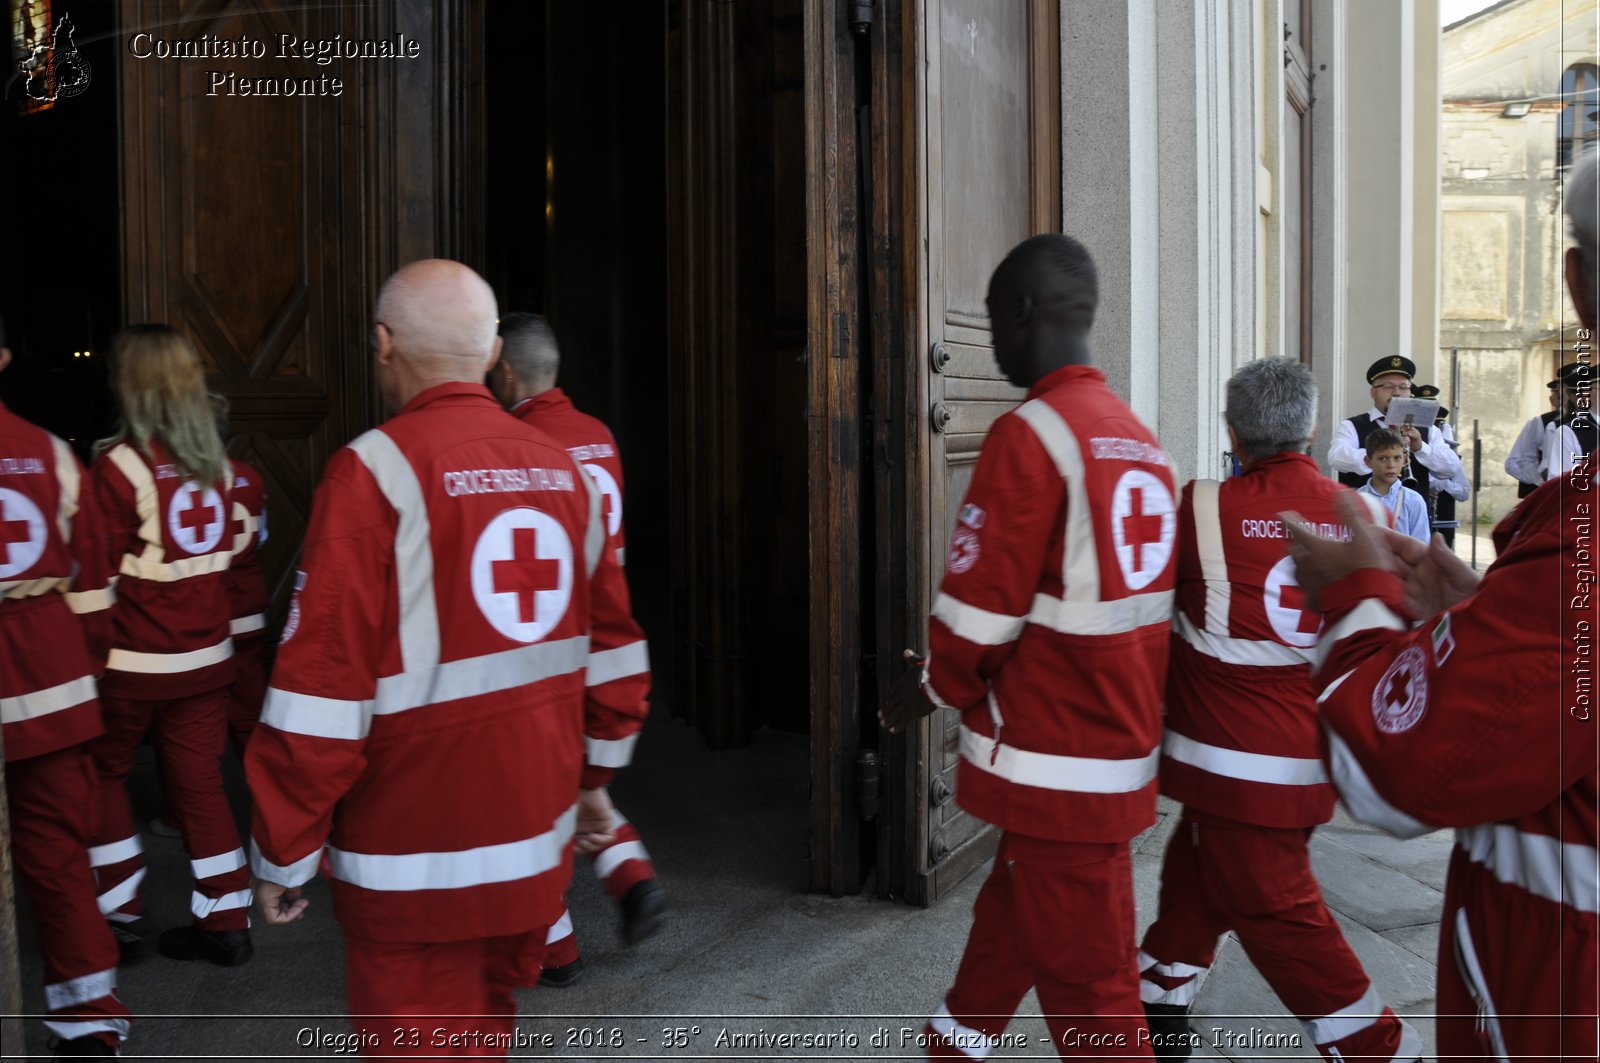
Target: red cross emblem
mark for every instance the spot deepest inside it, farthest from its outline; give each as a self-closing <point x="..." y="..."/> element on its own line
<point x="196" y="516"/>
<point x="525" y="574"/>
<point x="1140" y="529"/>
<point x="1144" y="523"/>
<point x="1400" y="699"/>
<point x="11" y="532"/>
<point x="22" y="533"/>
<point x="1291" y="597"/>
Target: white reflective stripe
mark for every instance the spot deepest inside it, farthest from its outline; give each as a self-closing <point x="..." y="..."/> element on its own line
<point x="1206" y="499"/>
<point x="594" y="538"/>
<point x="67" y="1030"/>
<point x="291" y="875"/>
<point x="81" y="602"/>
<point x="121" y="893"/>
<point x="121" y="660"/>
<point x="562" y="928"/>
<point x="221" y="864"/>
<point x="1080" y="566"/>
<point x="1335" y="685"/>
<point x="80" y="990"/>
<point x="114" y="852"/>
<point x="1238" y="764"/>
<point x="969" y="1042"/>
<point x="38" y="703"/>
<point x="1564" y="872"/>
<point x="1150" y="993"/>
<point x="145" y="500"/>
<point x="609" y="753"/>
<point x="308" y="714"/>
<point x="248" y="527"/>
<point x="1088" y="775"/>
<point x="413" y="550"/>
<point x="1362" y="798"/>
<point x="927" y="687"/>
<point x="243" y="625"/>
<point x="1148" y="962"/>
<point x="1347" y="1021"/>
<point x="121" y="917"/>
<point x="617" y="663"/>
<point x="608" y="860"/>
<point x="487" y="674"/>
<point x="461" y="868"/>
<point x="68" y="479"/>
<point x="1073" y="617"/>
<point x="620" y="551"/>
<point x="977" y="625"/>
<point x="1262" y="653"/>
<point x="172" y="571"/>
<point x="1369" y="615"/>
<point x="201" y="906"/>
<point x="1478" y="985"/>
<point x="18" y="589"/>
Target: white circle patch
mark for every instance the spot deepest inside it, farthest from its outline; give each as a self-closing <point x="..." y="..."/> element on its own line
<point x="1144" y="524"/>
<point x="612" y="500"/>
<point x="963" y="550"/>
<point x="22" y="533"/>
<point x="1401" y="698"/>
<point x="195" y="518"/>
<point x="1291" y="620"/>
<point x="522" y="573"/>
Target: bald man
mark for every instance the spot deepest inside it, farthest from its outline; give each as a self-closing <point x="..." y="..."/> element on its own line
<point x="424" y="733"/>
<point x="1049" y="638"/>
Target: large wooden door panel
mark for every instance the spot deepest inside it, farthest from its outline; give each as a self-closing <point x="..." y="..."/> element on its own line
<point x="987" y="171"/>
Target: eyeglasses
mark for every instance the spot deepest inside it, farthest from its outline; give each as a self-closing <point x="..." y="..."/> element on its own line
<point x="1398" y="389"/>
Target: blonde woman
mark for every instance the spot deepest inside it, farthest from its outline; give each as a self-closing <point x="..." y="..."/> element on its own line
<point x="161" y="492"/>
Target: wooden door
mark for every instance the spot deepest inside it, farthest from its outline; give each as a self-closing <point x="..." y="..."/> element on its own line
<point x="984" y="173"/>
<point x="262" y="226"/>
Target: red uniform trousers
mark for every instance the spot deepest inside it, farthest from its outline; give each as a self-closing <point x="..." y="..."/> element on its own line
<point x="52" y="799"/>
<point x="249" y="688"/>
<point x="439" y="1000"/>
<point x="1222" y="875"/>
<point x="620" y="866"/>
<point x="191" y="734"/>
<point x="1056" y="916"/>
<point x="1540" y="1002"/>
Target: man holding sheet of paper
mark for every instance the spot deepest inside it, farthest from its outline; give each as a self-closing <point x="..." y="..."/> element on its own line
<point x="1390" y="379"/>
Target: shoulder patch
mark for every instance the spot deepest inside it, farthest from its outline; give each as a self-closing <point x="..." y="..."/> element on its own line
<point x="1400" y="699"/>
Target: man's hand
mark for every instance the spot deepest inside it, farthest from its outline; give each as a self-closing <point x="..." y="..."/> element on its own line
<point x="280" y="905"/>
<point x="1435" y="577"/>
<point x="596" y="816"/>
<point x="907" y="700"/>
<point x="1413" y="437"/>
<point x="1320" y="562"/>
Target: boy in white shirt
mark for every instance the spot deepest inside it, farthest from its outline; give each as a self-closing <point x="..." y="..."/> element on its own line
<point x="1386" y="456"/>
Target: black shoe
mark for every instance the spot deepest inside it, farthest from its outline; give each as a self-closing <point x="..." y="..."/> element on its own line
<point x="87" y="1045"/>
<point x="563" y="976"/>
<point x="644" y="909"/>
<point x="130" y="943"/>
<point x="1169" y="1030"/>
<point x="225" y="948"/>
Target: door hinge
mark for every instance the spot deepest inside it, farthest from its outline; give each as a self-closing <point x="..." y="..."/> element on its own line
<point x="867" y="783"/>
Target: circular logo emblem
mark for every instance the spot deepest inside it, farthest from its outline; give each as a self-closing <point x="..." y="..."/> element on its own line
<point x="522" y="573"/>
<point x="611" y="502"/>
<point x="963" y="550"/>
<point x="1401" y="698"/>
<point x="1291" y="621"/>
<point x="1144" y="524"/>
<point x="22" y="533"/>
<point x="195" y="518"/>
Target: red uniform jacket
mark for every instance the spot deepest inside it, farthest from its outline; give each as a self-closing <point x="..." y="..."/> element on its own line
<point x="427" y="709"/>
<point x="625" y="684"/>
<point x="247" y="589"/>
<point x="1242" y="737"/>
<point x="47" y="673"/>
<point x="165" y="545"/>
<point x="1050" y="629"/>
<point x="1484" y="719"/>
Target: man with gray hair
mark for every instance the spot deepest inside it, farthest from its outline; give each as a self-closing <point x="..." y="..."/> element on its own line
<point x="1242" y="749"/>
<point x="1450" y="702"/>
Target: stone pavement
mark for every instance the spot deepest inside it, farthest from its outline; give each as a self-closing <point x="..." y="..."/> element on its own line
<point x="747" y="951"/>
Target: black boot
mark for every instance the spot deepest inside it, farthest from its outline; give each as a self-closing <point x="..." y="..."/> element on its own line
<point x="563" y="976"/>
<point x="87" y="1045"/>
<point x="644" y="909"/>
<point x="1169" y="1030"/>
<point x="225" y="948"/>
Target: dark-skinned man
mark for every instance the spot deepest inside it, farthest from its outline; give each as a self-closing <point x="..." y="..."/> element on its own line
<point x="1050" y="637"/>
<point x="1450" y="702"/>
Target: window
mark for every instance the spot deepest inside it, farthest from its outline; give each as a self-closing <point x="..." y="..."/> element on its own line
<point x="1579" y="124"/>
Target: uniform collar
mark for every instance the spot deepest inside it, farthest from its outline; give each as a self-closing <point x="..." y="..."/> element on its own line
<point x="1067" y="374"/>
<point x="456" y="389"/>
<point x="1284" y="458"/>
<point x="1377" y="416"/>
<point x="544" y="402"/>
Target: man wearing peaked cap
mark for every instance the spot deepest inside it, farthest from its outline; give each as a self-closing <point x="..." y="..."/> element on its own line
<point x="1444" y="491"/>
<point x="1570" y="434"/>
<point x="1389" y="377"/>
